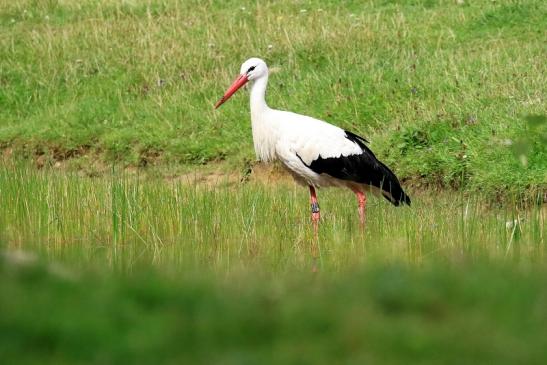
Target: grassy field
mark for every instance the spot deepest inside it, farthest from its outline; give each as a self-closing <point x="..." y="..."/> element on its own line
<point x="376" y="315"/>
<point x="441" y="89"/>
<point x="135" y="228"/>
<point x="133" y="219"/>
<point x="127" y="269"/>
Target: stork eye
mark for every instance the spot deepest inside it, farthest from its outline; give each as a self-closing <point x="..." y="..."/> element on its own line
<point x="251" y="69"/>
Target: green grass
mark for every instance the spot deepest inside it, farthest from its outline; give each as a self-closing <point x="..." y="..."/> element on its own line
<point x="104" y="260"/>
<point x="377" y="315"/>
<point x="440" y="89"/>
<point x="127" y="218"/>
<point x="124" y="268"/>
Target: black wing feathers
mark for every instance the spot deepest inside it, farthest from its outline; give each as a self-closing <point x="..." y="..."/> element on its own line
<point x="364" y="168"/>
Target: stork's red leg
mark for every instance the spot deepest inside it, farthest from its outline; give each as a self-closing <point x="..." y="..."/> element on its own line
<point x="362" y="199"/>
<point x="315" y="214"/>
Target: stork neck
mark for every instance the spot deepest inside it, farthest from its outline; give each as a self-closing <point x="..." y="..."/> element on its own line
<point x="258" y="93"/>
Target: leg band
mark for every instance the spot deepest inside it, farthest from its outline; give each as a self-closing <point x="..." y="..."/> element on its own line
<point x="315" y="207"/>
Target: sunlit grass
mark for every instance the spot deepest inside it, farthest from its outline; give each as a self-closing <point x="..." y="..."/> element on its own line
<point x="125" y="219"/>
<point x="439" y="88"/>
<point x="126" y="268"/>
<point x="131" y="267"/>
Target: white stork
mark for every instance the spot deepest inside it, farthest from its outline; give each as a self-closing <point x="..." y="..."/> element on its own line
<point x="316" y="153"/>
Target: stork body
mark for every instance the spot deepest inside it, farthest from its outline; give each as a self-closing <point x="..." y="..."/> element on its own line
<point x="316" y="153"/>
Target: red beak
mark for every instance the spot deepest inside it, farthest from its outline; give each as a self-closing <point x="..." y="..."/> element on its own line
<point x="239" y="82"/>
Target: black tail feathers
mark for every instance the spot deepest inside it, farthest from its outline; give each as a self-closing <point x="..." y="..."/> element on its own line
<point x="392" y="191"/>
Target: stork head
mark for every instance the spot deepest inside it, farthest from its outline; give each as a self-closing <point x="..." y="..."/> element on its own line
<point x="252" y="69"/>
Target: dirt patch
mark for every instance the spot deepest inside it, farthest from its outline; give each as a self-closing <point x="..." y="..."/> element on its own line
<point x="206" y="178"/>
<point x="90" y="163"/>
<point x="272" y="173"/>
<point x="87" y="163"/>
<point x="260" y="173"/>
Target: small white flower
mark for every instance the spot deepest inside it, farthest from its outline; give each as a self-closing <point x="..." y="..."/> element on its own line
<point x="243" y="8"/>
<point x="270" y="46"/>
<point x="513" y="223"/>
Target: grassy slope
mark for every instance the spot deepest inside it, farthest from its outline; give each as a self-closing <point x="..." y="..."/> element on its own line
<point x="439" y="88"/>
